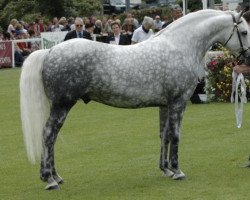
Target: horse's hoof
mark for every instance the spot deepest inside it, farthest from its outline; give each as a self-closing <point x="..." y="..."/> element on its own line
<point x="52" y="185"/>
<point x="58" y="179"/>
<point x="168" y="173"/>
<point x="179" y="176"/>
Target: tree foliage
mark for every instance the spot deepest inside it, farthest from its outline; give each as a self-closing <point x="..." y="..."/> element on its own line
<point x="28" y="9"/>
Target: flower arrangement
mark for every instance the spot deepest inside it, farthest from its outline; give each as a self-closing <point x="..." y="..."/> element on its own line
<point x="219" y="76"/>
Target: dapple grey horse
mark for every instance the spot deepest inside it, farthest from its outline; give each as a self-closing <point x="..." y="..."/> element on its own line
<point x="162" y="71"/>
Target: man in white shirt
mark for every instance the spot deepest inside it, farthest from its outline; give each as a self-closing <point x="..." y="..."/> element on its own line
<point x="144" y="31"/>
<point x="158" y="23"/>
<point x="116" y="37"/>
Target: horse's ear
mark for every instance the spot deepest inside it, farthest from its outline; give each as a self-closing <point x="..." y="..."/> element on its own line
<point x="238" y="16"/>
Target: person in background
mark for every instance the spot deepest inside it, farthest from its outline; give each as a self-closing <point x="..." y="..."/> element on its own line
<point x="176" y="13"/>
<point x="165" y="20"/>
<point x="21" y="48"/>
<point x="86" y="20"/>
<point x="55" y="27"/>
<point x="128" y="27"/>
<point x="33" y="45"/>
<point x="246" y="15"/>
<point x="157" y="23"/>
<point x="65" y="24"/>
<point x="78" y="32"/>
<point x="104" y="25"/>
<point x="133" y="19"/>
<point x="89" y="29"/>
<point x="98" y="27"/>
<point x="12" y="28"/>
<point x="71" y="21"/>
<point x="144" y="31"/>
<point x="39" y="26"/>
<point x="117" y="38"/>
<point x="6" y="36"/>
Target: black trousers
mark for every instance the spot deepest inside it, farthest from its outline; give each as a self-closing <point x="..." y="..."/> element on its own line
<point x="195" y="99"/>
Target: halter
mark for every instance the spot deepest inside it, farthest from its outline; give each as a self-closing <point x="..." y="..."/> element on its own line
<point x="242" y="52"/>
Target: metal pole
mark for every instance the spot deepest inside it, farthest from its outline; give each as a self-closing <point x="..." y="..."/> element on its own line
<point x="204" y="4"/>
<point x="211" y="4"/>
<point x="127" y="5"/>
<point x="185" y="6"/>
<point x="102" y="12"/>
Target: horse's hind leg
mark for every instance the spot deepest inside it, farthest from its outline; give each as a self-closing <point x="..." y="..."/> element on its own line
<point x="175" y="117"/>
<point x="56" y="119"/>
<point x="164" y="135"/>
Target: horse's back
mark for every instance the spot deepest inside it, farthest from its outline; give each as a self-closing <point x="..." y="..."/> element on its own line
<point x="122" y="76"/>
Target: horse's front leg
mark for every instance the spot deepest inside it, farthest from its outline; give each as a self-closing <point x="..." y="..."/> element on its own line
<point x="175" y="117"/>
<point x="164" y="135"/>
<point x="54" y="123"/>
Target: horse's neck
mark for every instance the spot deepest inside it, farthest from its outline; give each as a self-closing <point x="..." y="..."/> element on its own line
<point x="199" y="32"/>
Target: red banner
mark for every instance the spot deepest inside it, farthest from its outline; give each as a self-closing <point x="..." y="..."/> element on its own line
<point x="5" y="54"/>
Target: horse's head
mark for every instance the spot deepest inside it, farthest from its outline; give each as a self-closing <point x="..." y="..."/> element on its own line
<point x="239" y="40"/>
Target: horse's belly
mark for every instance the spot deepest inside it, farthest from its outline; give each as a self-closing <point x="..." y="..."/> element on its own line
<point x="129" y="100"/>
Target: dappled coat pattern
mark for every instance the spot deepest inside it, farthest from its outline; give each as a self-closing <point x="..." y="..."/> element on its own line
<point x="162" y="71"/>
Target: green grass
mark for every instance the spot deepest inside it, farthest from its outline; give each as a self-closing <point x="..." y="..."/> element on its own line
<point x="110" y="153"/>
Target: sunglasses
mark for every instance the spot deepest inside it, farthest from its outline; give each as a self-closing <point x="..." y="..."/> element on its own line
<point x="79" y="25"/>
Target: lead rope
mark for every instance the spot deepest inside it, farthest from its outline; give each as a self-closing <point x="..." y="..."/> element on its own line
<point x="238" y="80"/>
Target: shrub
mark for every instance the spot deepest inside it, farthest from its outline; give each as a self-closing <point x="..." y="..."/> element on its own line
<point x="219" y="78"/>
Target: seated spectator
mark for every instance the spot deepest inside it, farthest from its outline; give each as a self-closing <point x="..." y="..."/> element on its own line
<point x="89" y="28"/>
<point x="165" y="20"/>
<point x="176" y="13"/>
<point x="117" y="38"/>
<point x="104" y="25"/>
<point x="128" y="27"/>
<point x="108" y="28"/>
<point x="38" y="26"/>
<point x="70" y="21"/>
<point x="157" y="23"/>
<point x="12" y="28"/>
<point x="55" y="27"/>
<point x="18" y="57"/>
<point x="20" y="30"/>
<point x="144" y="31"/>
<point x="133" y="19"/>
<point x="6" y="36"/>
<point x="65" y="24"/>
<point x="98" y="27"/>
<point x="78" y="32"/>
<point x="33" y="45"/>
<point x="23" y="47"/>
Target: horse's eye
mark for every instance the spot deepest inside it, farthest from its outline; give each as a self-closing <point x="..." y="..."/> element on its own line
<point x="244" y="33"/>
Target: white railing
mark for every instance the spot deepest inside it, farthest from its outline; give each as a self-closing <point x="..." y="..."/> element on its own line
<point x="47" y="40"/>
<point x="14" y="43"/>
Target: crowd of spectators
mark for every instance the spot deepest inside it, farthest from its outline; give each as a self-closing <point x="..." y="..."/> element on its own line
<point x="110" y="30"/>
<point x="19" y="29"/>
<point x="101" y="26"/>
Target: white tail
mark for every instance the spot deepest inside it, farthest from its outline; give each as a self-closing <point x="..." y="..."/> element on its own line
<point x="34" y="104"/>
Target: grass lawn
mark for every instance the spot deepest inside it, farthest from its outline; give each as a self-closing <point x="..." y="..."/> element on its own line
<point x="110" y="153"/>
